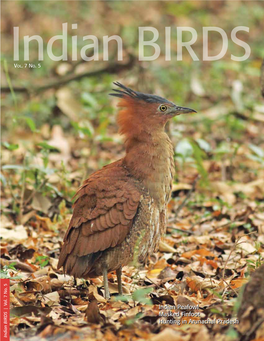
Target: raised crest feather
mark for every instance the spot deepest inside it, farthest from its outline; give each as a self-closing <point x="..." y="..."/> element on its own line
<point x="127" y="92"/>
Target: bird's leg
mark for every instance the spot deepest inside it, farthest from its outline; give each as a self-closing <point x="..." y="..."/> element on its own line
<point x="119" y="280"/>
<point x="107" y="294"/>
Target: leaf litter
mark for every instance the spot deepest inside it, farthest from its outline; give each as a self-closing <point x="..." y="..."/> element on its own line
<point x="201" y="262"/>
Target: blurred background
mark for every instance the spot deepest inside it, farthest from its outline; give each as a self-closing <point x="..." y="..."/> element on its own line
<point x="59" y="124"/>
<point x="78" y="118"/>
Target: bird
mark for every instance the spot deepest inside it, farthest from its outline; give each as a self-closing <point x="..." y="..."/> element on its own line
<point x="119" y="213"/>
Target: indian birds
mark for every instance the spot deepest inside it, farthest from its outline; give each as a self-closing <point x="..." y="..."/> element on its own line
<point x="120" y="211"/>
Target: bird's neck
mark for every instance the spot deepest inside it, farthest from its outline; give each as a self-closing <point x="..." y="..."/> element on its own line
<point x="149" y="158"/>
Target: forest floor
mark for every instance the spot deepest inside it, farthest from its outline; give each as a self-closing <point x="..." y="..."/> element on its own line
<point x="212" y="244"/>
<point x="55" y="138"/>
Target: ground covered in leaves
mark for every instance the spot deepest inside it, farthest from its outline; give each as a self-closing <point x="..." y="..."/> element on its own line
<point x="212" y="245"/>
<point x="55" y="138"/>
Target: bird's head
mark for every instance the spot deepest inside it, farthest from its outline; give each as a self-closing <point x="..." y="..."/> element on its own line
<point x="144" y="112"/>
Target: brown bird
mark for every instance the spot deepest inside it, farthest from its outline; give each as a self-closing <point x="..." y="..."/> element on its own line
<point x="120" y="211"/>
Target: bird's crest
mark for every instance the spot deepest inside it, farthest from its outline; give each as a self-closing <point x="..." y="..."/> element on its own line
<point x="127" y="92"/>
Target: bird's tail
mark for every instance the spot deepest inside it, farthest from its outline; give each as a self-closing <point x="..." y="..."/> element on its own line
<point x="79" y="267"/>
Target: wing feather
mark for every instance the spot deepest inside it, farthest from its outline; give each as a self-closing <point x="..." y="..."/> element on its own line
<point x="103" y="213"/>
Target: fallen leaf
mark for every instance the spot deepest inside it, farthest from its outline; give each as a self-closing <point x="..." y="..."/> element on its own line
<point x="183" y="300"/>
<point x="225" y="191"/>
<point x="200" y="239"/>
<point x="17" y="264"/>
<point x="164" y="247"/>
<point x="44" y="223"/>
<point x="181" y="186"/>
<point x="93" y="291"/>
<point x="21" y="252"/>
<point x="41" y="203"/>
<point x="52" y="298"/>
<point x="26" y="217"/>
<point x="203" y="260"/>
<point x="196" y="283"/>
<point x="169" y="334"/>
<point x="200" y="252"/>
<point x="92" y="313"/>
<point x="18" y="233"/>
<point x="246" y="246"/>
<point x="237" y="283"/>
<point x="167" y="274"/>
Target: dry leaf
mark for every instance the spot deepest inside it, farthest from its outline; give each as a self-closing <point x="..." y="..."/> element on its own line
<point x="164" y="247"/>
<point x="169" y="334"/>
<point x="18" y="233"/>
<point x="181" y="186"/>
<point x="92" y="313"/>
<point x="52" y="298"/>
<point x="41" y="203"/>
<point x="200" y="252"/>
<point x="197" y="283"/>
<point x="244" y="245"/>
<point x="237" y="283"/>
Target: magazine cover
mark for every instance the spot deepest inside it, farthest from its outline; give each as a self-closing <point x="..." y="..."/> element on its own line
<point x="132" y="170"/>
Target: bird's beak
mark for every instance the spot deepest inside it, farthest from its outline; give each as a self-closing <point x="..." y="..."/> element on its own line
<point x="182" y="110"/>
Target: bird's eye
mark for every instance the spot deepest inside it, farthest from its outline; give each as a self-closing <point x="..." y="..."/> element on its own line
<point x="163" y="107"/>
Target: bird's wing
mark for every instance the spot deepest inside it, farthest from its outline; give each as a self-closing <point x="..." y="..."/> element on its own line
<point x="103" y="213"/>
